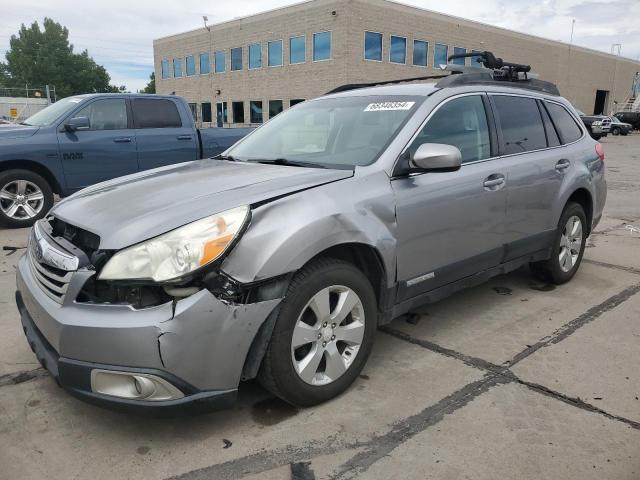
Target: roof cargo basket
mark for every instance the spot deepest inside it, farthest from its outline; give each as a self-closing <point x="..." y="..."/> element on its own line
<point x="494" y="70"/>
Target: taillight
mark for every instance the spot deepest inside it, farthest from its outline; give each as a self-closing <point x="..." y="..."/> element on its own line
<point x="600" y="151"/>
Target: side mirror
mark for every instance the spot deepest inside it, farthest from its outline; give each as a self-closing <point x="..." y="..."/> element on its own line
<point x="77" y="123"/>
<point x="436" y="157"/>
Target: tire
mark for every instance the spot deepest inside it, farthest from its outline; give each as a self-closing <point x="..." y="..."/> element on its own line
<point x="615" y="131"/>
<point x="595" y="136"/>
<point x="282" y="362"/>
<point x="17" y="209"/>
<point x="554" y="270"/>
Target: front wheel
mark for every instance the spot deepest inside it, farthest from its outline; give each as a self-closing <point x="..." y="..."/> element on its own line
<point x="567" y="249"/>
<point x="323" y="333"/>
<point x="615" y="131"/>
<point x="24" y="198"/>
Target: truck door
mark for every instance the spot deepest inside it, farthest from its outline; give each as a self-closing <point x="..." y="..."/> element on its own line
<point x="107" y="149"/>
<point x="163" y="138"/>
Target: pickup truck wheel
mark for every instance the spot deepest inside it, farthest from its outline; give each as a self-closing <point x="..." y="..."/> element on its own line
<point x="567" y="249"/>
<point x="24" y="198"/>
<point x="323" y="333"/>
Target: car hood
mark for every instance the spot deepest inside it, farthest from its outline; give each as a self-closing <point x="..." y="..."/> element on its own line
<point x="16" y="131"/>
<point x="137" y="207"/>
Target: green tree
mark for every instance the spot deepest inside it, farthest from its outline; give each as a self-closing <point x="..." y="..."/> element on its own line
<point x="44" y="56"/>
<point x="151" y="86"/>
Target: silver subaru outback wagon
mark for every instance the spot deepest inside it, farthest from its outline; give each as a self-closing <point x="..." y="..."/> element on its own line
<point x="279" y="259"/>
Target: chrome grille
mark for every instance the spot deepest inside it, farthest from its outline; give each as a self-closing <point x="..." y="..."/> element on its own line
<point x="51" y="267"/>
<point x="53" y="282"/>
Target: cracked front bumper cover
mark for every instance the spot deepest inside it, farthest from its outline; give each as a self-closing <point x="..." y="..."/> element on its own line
<point x="201" y="343"/>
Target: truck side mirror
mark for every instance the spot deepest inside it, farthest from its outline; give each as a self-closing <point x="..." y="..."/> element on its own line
<point x="436" y="157"/>
<point x="77" y="123"/>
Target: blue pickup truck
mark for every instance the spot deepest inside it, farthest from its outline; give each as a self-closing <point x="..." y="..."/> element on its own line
<point x="86" y="139"/>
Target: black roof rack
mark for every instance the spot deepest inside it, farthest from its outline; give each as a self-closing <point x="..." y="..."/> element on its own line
<point x="355" y="86"/>
<point x="495" y="70"/>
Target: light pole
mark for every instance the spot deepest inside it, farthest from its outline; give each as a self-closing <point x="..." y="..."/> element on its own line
<point x="615" y="69"/>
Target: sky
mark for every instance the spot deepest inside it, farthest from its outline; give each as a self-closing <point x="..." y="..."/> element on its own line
<point x="119" y="34"/>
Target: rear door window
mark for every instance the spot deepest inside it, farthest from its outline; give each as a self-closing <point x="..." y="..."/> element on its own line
<point x="521" y="124"/>
<point x="567" y="127"/>
<point x="461" y="122"/>
<point x="552" y="135"/>
<point x="155" y="113"/>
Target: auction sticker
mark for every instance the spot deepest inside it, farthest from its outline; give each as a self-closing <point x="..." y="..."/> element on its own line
<point x="383" y="106"/>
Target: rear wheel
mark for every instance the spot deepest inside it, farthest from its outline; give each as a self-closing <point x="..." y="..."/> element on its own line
<point x="568" y="247"/>
<point x="24" y="198"/>
<point x="323" y="334"/>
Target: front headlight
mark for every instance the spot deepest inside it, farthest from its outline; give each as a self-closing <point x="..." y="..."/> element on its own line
<point x="179" y="252"/>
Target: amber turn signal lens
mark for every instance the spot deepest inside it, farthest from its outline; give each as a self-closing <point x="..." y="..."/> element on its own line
<point x="214" y="248"/>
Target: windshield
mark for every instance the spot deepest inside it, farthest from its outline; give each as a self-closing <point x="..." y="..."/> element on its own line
<point x="50" y="114"/>
<point x="334" y="132"/>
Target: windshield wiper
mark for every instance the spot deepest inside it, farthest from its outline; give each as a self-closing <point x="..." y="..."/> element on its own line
<point x="286" y="161"/>
<point x="225" y="157"/>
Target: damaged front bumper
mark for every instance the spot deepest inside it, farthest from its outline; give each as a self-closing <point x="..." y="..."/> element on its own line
<point x="198" y="344"/>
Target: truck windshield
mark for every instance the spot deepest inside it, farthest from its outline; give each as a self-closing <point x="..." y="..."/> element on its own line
<point x="333" y="132"/>
<point x="50" y="114"/>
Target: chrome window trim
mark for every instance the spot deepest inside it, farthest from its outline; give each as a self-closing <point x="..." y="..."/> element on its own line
<point x="364" y="46"/>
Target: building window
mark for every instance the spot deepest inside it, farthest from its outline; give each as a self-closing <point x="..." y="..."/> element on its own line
<point x="398" y="50"/>
<point x="206" y="112"/>
<point x="440" y="55"/>
<point x="297" y="52"/>
<point x="457" y="51"/>
<point x="221" y="113"/>
<point x="236" y="59"/>
<point x="255" y="108"/>
<point x="295" y="101"/>
<point x="194" y="111"/>
<point x="238" y="112"/>
<point x="204" y="64"/>
<point x="219" y="61"/>
<point x="275" y="107"/>
<point x="373" y="46"/>
<point x="321" y="46"/>
<point x="274" y="51"/>
<point x="191" y="65"/>
<point x="177" y="67"/>
<point x="255" y="56"/>
<point x="165" y="69"/>
<point x="420" y="49"/>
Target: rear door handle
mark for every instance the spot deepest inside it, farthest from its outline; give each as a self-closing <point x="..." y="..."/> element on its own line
<point x="184" y="137"/>
<point x="122" y="140"/>
<point x="494" y="182"/>
<point x="563" y="165"/>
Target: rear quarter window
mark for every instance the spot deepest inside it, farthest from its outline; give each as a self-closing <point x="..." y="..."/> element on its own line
<point x="521" y="124"/>
<point x="155" y="113"/>
<point x="565" y="124"/>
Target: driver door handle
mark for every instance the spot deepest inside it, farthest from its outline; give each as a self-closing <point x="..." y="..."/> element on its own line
<point x="494" y="182"/>
<point x="122" y="140"/>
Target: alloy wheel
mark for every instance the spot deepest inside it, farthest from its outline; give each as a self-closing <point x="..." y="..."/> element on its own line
<point x="21" y="199"/>
<point x="327" y="335"/>
<point x="570" y="243"/>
